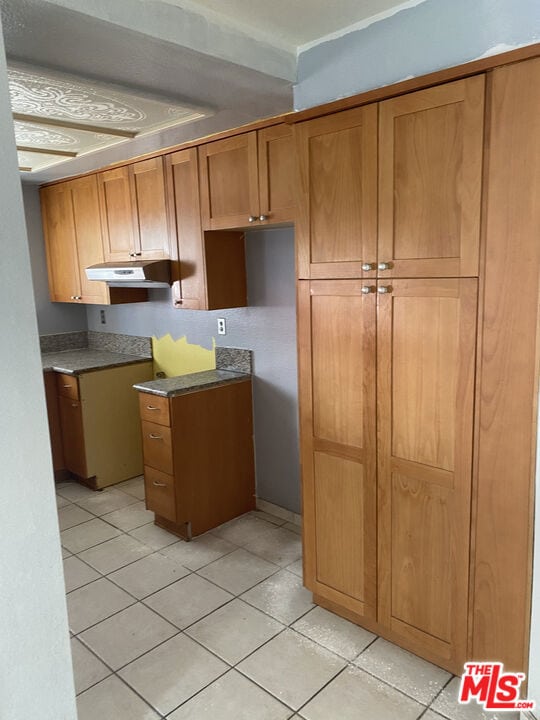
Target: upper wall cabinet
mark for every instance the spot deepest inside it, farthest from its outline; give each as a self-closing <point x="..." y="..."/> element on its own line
<point x="208" y="268"/>
<point x="429" y="157"/>
<point x="73" y="241"/>
<point x="134" y="212"/>
<point x="336" y="229"/>
<point x="430" y="181"/>
<point x="248" y="179"/>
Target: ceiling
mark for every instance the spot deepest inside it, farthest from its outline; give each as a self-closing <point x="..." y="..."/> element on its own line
<point x="290" y="22"/>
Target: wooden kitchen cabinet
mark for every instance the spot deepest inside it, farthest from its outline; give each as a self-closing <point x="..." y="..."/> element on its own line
<point x="420" y="180"/>
<point x="208" y="268"/>
<point x="248" y="180"/>
<point x="98" y="423"/>
<point x="134" y="212"/>
<point x="430" y="181"/>
<point x="198" y="457"/>
<point x="73" y="242"/>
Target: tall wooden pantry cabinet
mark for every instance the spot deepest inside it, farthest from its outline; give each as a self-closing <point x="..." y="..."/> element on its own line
<point x="407" y="320"/>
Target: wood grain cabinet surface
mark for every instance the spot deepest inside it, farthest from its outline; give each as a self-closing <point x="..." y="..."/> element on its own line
<point x="248" y="180"/>
<point x="134" y="212"/>
<point x="198" y="457"/>
<point x="74" y="241"/>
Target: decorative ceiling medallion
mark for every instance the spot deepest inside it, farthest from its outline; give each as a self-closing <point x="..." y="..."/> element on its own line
<point x="27" y="134"/>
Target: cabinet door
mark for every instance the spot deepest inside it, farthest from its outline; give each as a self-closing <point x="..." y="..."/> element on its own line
<point x="431" y="181"/>
<point x="229" y="182"/>
<point x="72" y="435"/>
<point x="277" y="173"/>
<point x="337" y="411"/>
<point x="426" y="335"/>
<point x="336" y="227"/>
<point x="149" y="209"/>
<point x="119" y="232"/>
<point x="84" y="193"/>
<point x="188" y="251"/>
<point x="60" y="244"/>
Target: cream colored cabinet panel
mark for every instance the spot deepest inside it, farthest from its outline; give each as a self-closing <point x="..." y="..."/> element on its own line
<point x="336" y="230"/>
<point x="426" y="336"/>
<point x="430" y="181"/>
<point x="337" y="410"/>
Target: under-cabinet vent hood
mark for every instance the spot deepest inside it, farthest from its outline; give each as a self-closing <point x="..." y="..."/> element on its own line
<point x="138" y="273"/>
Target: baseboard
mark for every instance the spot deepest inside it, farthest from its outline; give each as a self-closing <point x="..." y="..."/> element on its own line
<point x="279" y="511"/>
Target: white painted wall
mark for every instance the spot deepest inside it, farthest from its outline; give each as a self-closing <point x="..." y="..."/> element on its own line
<point x="35" y="666"/>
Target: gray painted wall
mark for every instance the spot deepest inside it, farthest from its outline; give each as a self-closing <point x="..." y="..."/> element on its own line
<point x="268" y="327"/>
<point x="36" y="679"/>
<point x="51" y="317"/>
<point x="432" y="35"/>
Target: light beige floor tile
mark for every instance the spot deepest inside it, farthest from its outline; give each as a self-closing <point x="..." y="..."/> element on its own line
<point x="430" y="715"/>
<point x="199" y="552"/>
<point x="238" y="571"/>
<point x="95" y="602"/>
<point x="82" y="537"/>
<point x="127" y="635"/>
<point x="72" y="515"/>
<point x="111" y="699"/>
<point x="335" y="633"/>
<point x="106" y="501"/>
<point x="234" y="631"/>
<point x="278" y="546"/>
<point x="262" y="515"/>
<point x="296" y="568"/>
<point x="187" y="600"/>
<point x="232" y="697"/>
<point x="73" y="491"/>
<point x="62" y="502"/>
<point x="154" y="536"/>
<point x="115" y="553"/>
<point x="293" y="528"/>
<point x="355" y="694"/>
<point x="173" y="672"/>
<point x="292" y="667"/>
<point x="282" y="596"/>
<point x="446" y="704"/>
<point x="77" y="573"/>
<point x="148" y="575"/>
<point x="405" y="671"/>
<point x="242" y="530"/>
<point x="134" y="487"/>
<point x="130" y="517"/>
<point x="87" y="668"/>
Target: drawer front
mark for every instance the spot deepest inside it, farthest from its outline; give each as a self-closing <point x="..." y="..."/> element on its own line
<point x="157" y="446"/>
<point x="67" y="385"/>
<point x="154" y="408"/>
<point x="160" y="495"/>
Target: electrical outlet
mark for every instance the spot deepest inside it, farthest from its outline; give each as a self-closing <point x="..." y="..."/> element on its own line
<point x="102" y="317"/>
<point x="221" y="326"/>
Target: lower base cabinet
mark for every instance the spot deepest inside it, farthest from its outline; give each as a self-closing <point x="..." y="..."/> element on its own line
<point x="93" y="421"/>
<point x="198" y="457"/>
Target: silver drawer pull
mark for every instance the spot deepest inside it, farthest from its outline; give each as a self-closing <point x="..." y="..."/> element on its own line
<point x="155" y="437"/>
<point x="74" y="404"/>
<point x="151" y="407"/>
<point x="158" y="484"/>
<point x="67" y="386"/>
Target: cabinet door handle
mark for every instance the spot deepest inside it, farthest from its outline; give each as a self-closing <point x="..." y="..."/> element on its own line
<point x="151" y="407"/>
<point x="137" y="254"/>
<point x="158" y="484"/>
<point x="74" y="404"/>
<point x="383" y="289"/>
<point x="385" y="266"/>
<point x="263" y="218"/>
<point x="155" y="437"/>
<point x="252" y="218"/>
<point x="366" y="289"/>
<point x="367" y="267"/>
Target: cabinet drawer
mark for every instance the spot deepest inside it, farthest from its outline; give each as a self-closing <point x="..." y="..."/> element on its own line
<point x="157" y="446"/>
<point x="160" y="495"/>
<point x="67" y="385"/>
<point x="154" y="408"/>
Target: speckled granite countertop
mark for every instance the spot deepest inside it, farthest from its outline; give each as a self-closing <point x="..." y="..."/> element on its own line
<point x="75" y="362"/>
<point x="170" y="387"/>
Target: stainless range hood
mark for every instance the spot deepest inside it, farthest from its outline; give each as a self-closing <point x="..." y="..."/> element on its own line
<point x="137" y="273"/>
